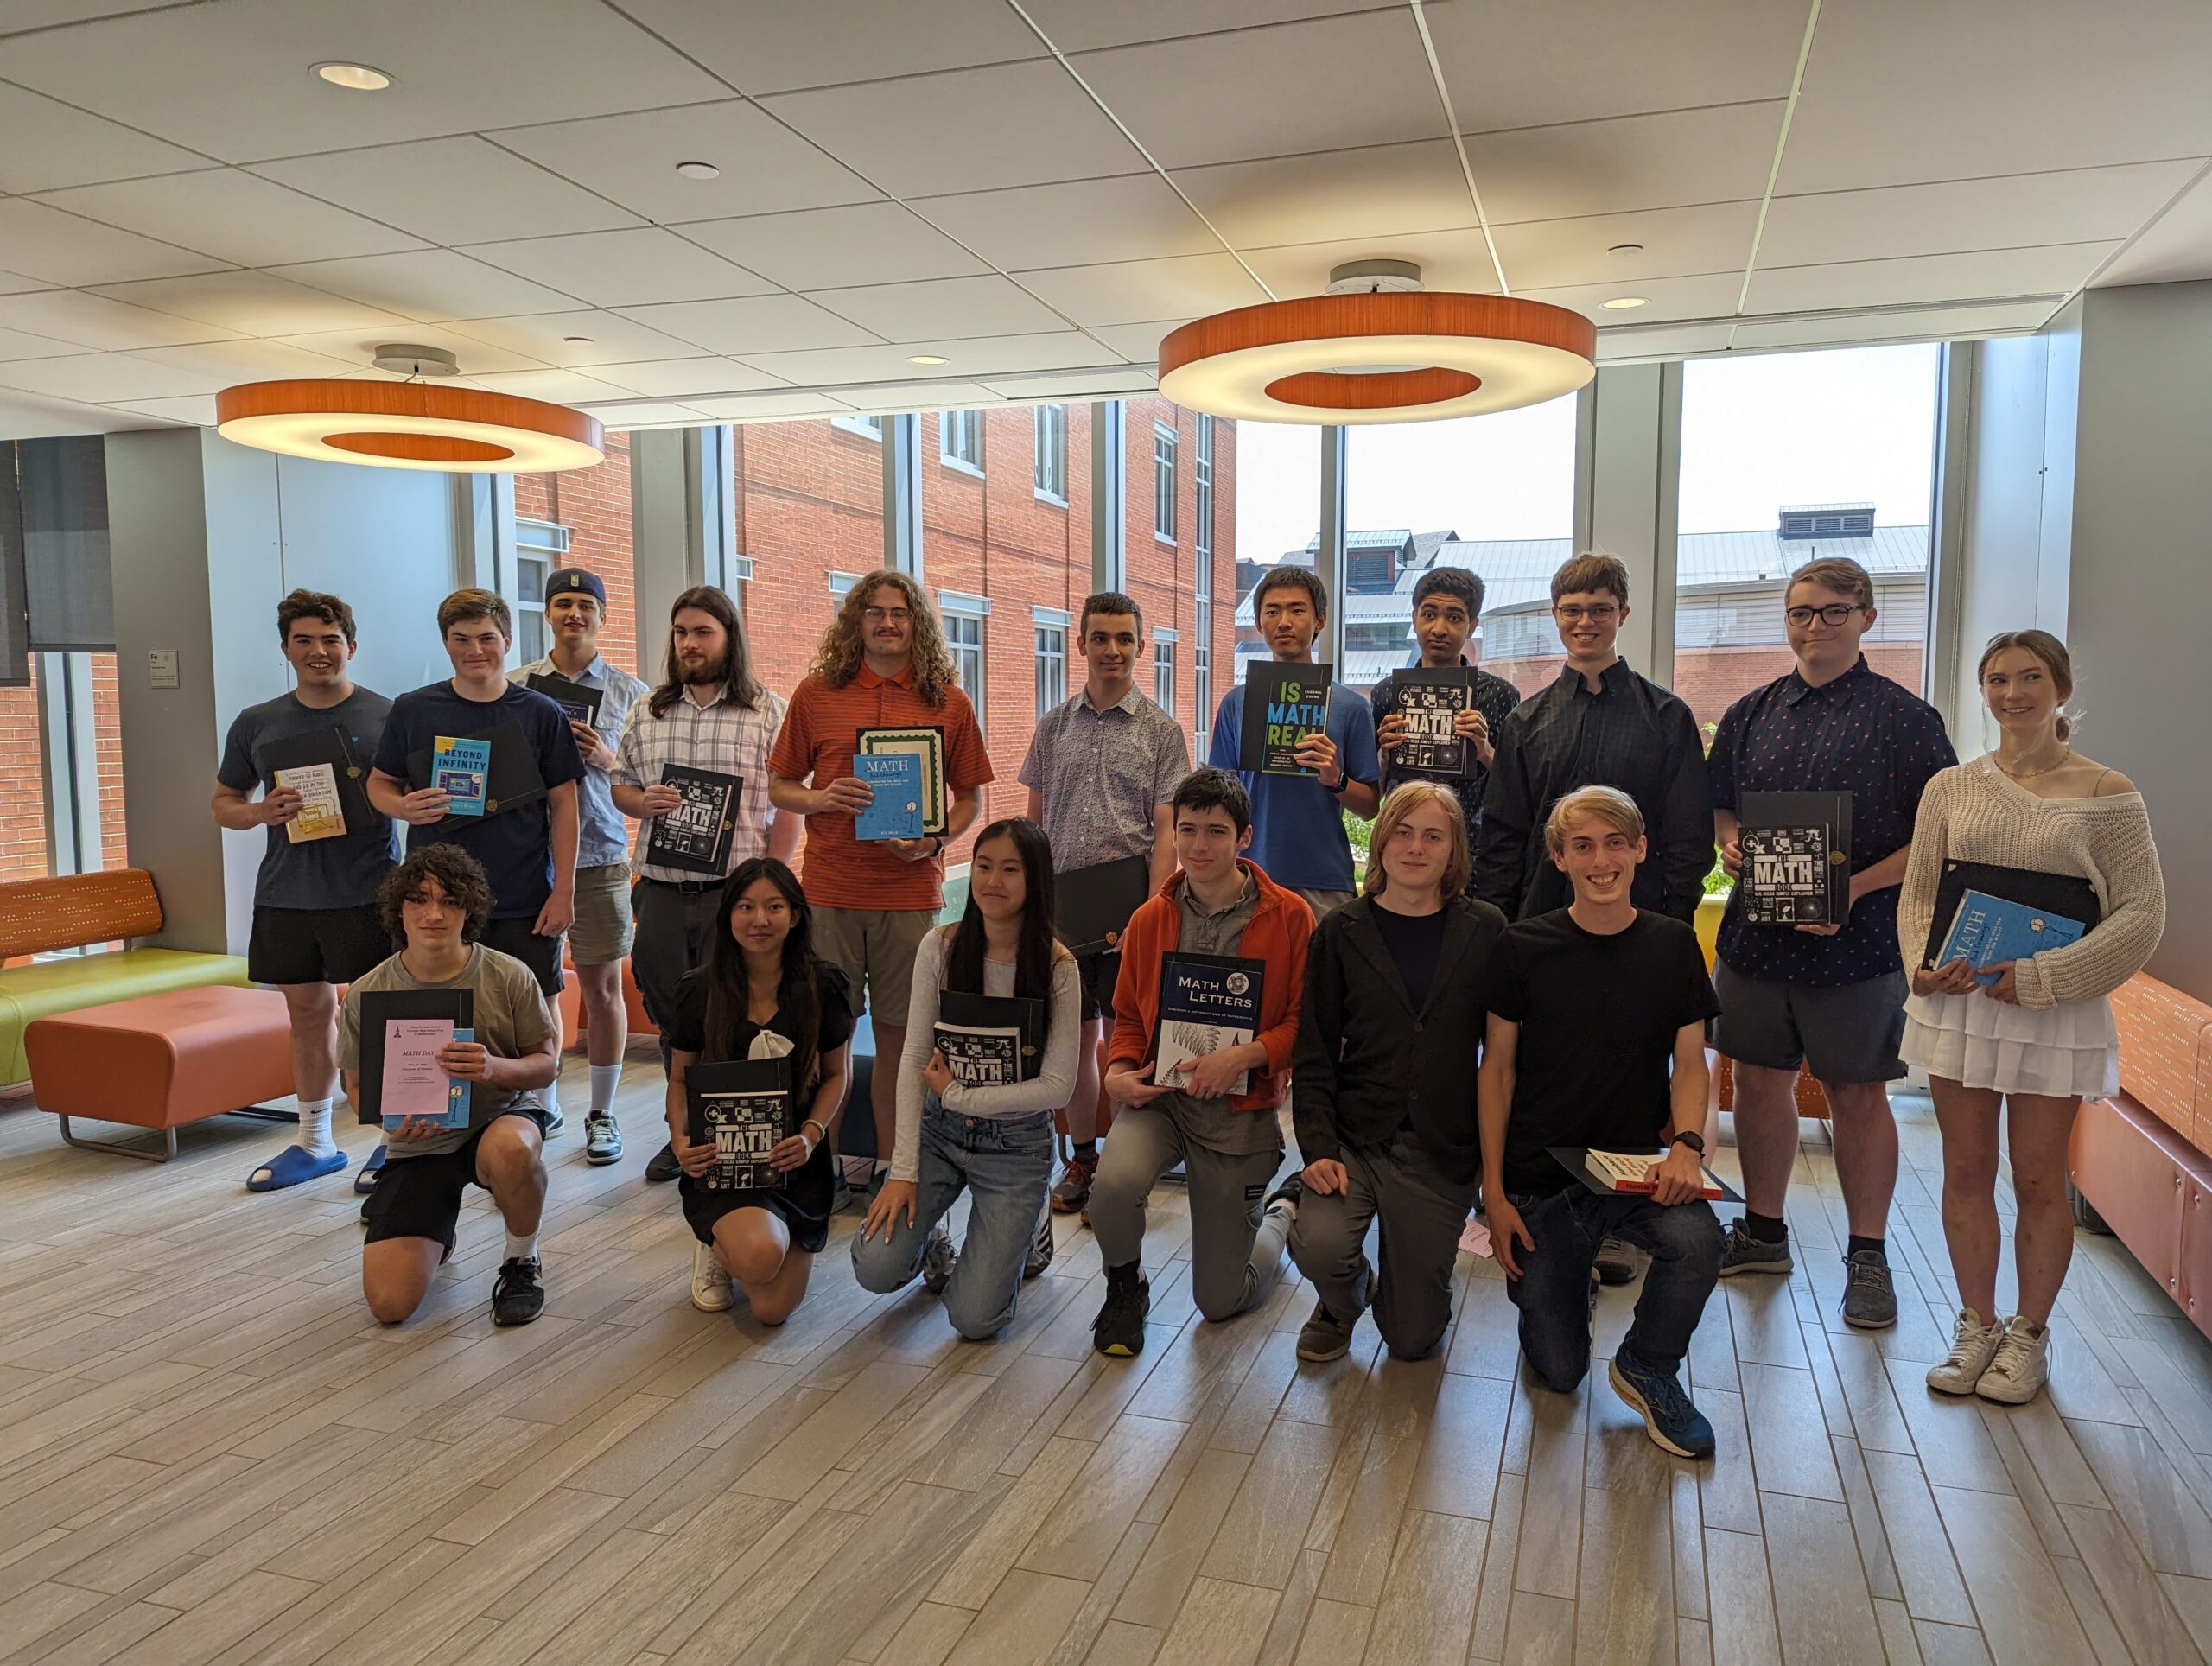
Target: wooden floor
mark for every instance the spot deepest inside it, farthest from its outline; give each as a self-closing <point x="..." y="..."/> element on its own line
<point x="207" y="1452"/>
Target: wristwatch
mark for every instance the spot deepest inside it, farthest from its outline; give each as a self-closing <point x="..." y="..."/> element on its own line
<point x="1691" y="1138"/>
<point x="939" y="851"/>
<point x="1343" y="780"/>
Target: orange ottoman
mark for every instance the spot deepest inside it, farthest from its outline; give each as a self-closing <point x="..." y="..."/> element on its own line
<point x="162" y="1060"/>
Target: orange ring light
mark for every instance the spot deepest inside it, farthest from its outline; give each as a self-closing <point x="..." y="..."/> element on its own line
<point x="408" y="425"/>
<point x="1388" y="357"/>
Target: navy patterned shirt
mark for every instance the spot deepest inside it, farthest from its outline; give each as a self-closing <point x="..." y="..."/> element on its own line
<point x="1495" y="698"/>
<point x="1863" y="735"/>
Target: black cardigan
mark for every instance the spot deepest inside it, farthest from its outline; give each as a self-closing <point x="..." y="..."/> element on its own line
<point x="1366" y="1061"/>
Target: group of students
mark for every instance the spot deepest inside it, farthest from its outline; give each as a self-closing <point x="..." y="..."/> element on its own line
<point x="1516" y="975"/>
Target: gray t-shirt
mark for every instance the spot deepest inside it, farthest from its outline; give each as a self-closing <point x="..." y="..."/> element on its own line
<point x="510" y="1020"/>
<point x="342" y="872"/>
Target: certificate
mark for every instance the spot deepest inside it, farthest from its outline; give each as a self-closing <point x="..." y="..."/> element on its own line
<point x="929" y="745"/>
<point x="415" y="1083"/>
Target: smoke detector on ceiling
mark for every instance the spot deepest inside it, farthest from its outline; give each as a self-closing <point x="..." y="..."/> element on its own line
<point x="403" y="358"/>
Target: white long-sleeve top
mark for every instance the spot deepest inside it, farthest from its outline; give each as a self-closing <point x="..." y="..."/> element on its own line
<point x="1048" y="1090"/>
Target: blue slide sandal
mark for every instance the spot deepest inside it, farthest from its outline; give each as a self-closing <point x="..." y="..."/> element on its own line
<point x="365" y="1181"/>
<point x="292" y="1166"/>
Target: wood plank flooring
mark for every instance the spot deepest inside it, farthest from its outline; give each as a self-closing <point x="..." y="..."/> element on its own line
<point x="209" y="1453"/>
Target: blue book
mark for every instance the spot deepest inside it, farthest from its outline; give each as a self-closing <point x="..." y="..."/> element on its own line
<point x="463" y="770"/>
<point x="896" y="780"/>
<point x="1990" y="931"/>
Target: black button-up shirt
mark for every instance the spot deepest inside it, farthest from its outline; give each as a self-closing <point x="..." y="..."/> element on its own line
<point x="1863" y="735"/>
<point x="1495" y="698"/>
<point x="1632" y="734"/>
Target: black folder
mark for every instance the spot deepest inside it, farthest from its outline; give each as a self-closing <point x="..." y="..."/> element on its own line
<point x="1092" y="906"/>
<point x="514" y="779"/>
<point x="329" y="745"/>
<point x="957" y="1011"/>
<point x="2066" y="895"/>
<point x="379" y="1008"/>
<point x="577" y="702"/>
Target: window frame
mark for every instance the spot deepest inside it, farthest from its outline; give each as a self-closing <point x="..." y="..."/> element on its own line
<point x="868" y="428"/>
<point x="1049" y="628"/>
<point x="968" y="425"/>
<point x="1202" y="514"/>
<point x="541" y="545"/>
<point x="954" y="620"/>
<point x="1166" y="445"/>
<point x="1049" y="471"/>
<point x="1163" y="668"/>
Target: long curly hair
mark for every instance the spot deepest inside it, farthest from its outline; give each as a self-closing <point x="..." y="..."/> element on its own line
<point x="837" y="661"/>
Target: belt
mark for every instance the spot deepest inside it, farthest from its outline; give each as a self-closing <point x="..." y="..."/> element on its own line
<point x="688" y="887"/>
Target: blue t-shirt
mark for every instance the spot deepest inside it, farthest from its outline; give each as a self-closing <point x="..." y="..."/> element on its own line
<point x="1298" y="825"/>
<point x="515" y="846"/>
<point x="342" y="872"/>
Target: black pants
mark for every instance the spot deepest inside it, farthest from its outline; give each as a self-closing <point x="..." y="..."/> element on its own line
<point x="674" y="928"/>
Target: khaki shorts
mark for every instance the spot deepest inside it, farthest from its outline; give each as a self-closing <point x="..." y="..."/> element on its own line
<point x="603" y="931"/>
<point x="876" y="946"/>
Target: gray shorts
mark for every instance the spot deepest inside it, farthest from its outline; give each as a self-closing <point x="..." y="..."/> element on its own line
<point x="1846" y="1034"/>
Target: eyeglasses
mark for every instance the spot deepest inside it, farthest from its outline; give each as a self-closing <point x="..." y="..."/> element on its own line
<point x="1603" y="613"/>
<point x="1836" y="613"/>
<point x="881" y="615"/>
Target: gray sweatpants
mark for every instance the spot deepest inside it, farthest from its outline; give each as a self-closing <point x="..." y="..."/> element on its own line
<point x="1422" y="1215"/>
<point x="1235" y="1250"/>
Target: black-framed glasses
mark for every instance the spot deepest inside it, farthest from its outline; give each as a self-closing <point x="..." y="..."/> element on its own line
<point x="1836" y="613"/>
<point x="1603" y="613"/>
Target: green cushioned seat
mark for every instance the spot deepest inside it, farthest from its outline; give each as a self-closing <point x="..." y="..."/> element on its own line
<point x="29" y="992"/>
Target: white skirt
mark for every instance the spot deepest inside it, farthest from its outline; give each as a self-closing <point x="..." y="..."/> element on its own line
<point x="2070" y="1048"/>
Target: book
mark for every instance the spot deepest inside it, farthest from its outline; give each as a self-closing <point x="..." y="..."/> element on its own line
<point x="1207" y="1003"/>
<point x="1431" y="701"/>
<point x="1282" y="704"/>
<point x="578" y="703"/>
<point x="401" y="1031"/>
<point x="927" y="744"/>
<point x="990" y="1041"/>
<point x="1797" y="869"/>
<point x="329" y="747"/>
<point x="697" y="834"/>
<point x="512" y="779"/>
<point x="1607" y="1171"/>
<point x="1092" y="906"/>
<point x="462" y="769"/>
<point x="2067" y="895"/>
<point x="1988" y="931"/>
<point x="741" y="1107"/>
<point x="321" y="815"/>
<point x="895" y="812"/>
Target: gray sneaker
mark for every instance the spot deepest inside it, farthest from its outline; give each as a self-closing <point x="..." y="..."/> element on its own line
<point x="1742" y="1253"/>
<point x="1041" y="1248"/>
<point x="937" y="1258"/>
<point x="1324" y="1336"/>
<point x="602" y="1139"/>
<point x="1870" y="1300"/>
<point x="1616" y="1263"/>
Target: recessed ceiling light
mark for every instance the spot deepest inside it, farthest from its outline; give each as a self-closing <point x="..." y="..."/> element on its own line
<point x="1625" y="303"/>
<point x="698" y="170"/>
<point x="929" y="358"/>
<point x="354" y="77"/>
<point x="1625" y="248"/>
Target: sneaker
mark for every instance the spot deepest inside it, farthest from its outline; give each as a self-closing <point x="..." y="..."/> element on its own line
<point x="555" y="1121"/>
<point x="1870" y="1300"/>
<point x="1285" y="1197"/>
<point x="1616" y="1263"/>
<point x="1972" y="1346"/>
<point x="603" y="1139"/>
<point x="1119" y="1328"/>
<point x="938" y="1259"/>
<point x="1742" y="1253"/>
<point x="1324" y="1336"/>
<point x="518" y="1293"/>
<point x="1674" y="1424"/>
<point x="710" y="1281"/>
<point x="663" y="1165"/>
<point x="1041" y="1248"/>
<point x="2022" y="1365"/>
<point x="1074" y="1189"/>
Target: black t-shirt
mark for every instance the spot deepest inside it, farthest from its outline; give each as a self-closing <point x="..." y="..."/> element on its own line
<point x="686" y="1028"/>
<point x="1415" y="942"/>
<point x="1597" y="1016"/>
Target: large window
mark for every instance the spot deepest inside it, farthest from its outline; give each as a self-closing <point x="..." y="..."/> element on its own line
<point x="1051" y="629"/>
<point x="1202" y="512"/>
<point x="580" y="518"/>
<point x="1278" y="519"/>
<point x="963" y="632"/>
<point x="1164" y="445"/>
<point x="1051" y="476"/>
<point x="960" y="439"/>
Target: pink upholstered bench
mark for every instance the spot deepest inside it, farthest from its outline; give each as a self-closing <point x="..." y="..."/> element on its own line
<point x="161" y="1061"/>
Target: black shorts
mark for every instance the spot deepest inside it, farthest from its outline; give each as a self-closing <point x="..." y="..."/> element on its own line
<point x="420" y="1197"/>
<point x="315" y="945"/>
<point x="1097" y="974"/>
<point x="1847" y="1034"/>
<point x="540" y="954"/>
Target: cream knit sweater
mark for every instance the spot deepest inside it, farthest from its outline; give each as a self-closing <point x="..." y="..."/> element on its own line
<point x="1974" y="813"/>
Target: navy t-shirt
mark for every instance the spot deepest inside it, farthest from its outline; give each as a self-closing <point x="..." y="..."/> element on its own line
<point x="342" y="872"/>
<point x="515" y="846"/>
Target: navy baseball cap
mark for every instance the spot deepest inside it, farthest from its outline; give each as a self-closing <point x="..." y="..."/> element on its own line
<point x="570" y="580"/>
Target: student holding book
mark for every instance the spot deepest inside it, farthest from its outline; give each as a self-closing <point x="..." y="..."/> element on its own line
<point x="992" y="1140"/>
<point x="1215" y="1113"/>
<point x="575" y="606"/>
<point x="316" y="923"/>
<point x="761" y="994"/>
<point x="1447" y="603"/>
<point x="2029" y="1035"/>
<point x="436" y="904"/>
<point x="1298" y="825"/>
<point x="1589" y="1006"/>
<point x="1389" y="1036"/>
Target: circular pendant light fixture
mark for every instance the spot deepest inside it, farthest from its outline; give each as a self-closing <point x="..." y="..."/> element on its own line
<point x="1377" y="349"/>
<point x="411" y="424"/>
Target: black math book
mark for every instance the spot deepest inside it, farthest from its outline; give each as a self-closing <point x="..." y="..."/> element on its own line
<point x="1431" y="702"/>
<point x="1282" y="704"/>
<point x="578" y="703"/>
<point x="743" y="1109"/>
<point x="697" y="834"/>
<point x="1207" y="1003"/>
<point x="1797" y="851"/>
<point x="990" y="1041"/>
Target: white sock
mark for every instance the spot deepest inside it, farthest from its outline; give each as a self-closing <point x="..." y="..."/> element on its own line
<point x="550" y="1099"/>
<point x="521" y="1248"/>
<point x="314" y="1128"/>
<point x="604" y="1080"/>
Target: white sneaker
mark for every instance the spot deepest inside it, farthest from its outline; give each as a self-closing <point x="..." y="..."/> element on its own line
<point x="710" y="1291"/>
<point x="2022" y="1366"/>
<point x="1972" y="1346"/>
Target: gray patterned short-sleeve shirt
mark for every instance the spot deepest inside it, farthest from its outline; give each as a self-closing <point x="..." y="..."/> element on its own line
<point x="1100" y="773"/>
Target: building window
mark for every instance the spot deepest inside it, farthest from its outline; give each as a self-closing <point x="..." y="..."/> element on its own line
<point x="1163" y="482"/>
<point x="1202" y="676"/>
<point x="1202" y="483"/>
<point x="1163" y="670"/>
<point x="1051" y="629"/>
<point x="1052" y="453"/>
<point x="960" y="439"/>
<point x="868" y="428"/>
<point x="540" y="546"/>
<point x="964" y="634"/>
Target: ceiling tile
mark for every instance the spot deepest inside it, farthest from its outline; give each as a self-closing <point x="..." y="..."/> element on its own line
<point x="104" y="378"/>
<point x="16" y="284"/>
<point x="1131" y="291"/>
<point x="766" y="407"/>
<point x="1133" y="217"/>
<point x="1713" y="297"/>
<point x="770" y="46"/>
<point x="44" y="14"/>
<point x="1676" y="243"/>
<point x="234" y="216"/>
<point x="45" y="243"/>
<point x="764" y="323"/>
<point x="357" y="348"/>
<point x="234" y="81"/>
<point x="1075" y="384"/>
<point x="1081" y="25"/>
<point x="1330" y="84"/>
<point x="679" y="379"/>
<point x="18" y="344"/>
<point x="1351" y="194"/>
<point x="922" y="135"/>
<point x="28" y="417"/>
<point x="1616" y="345"/>
<point x="974" y="360"/>
<point x="1138" y="343"/>
<point x="1448" y="260"/>
<point x="1903" y="324"/>
<point x="226" y="362"/>
<point x="621" y="269"/>
<point x="639" y="414"/>
<point x="565" y="387"/>
<point x="94" y="320"/>
<point x="459" y="190"/>
<point x="431" y="285"/>
<point x="2177" y="245"/>
<point x="45" y="145"/>
<point x="889" y="396"/>
<point x="193" y="409"/>
<point x="814" y="248"/>
<point x="1993" y="274"/>
<point x="942" y="307"/>
<point x="631" y="160"/>
<point x="253" y="302"/>
<point x="605" y="337"/>
<point x="1686" y="156"/>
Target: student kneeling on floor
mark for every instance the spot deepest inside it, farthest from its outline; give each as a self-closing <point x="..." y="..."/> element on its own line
<point x="437" y="903"/>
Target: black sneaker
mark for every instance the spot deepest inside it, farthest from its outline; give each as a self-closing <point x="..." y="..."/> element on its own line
<point x="663" y="1165"/>
<point x="1616" y="1263"/>
<point x="1119" y="1328"/>
<point x="1287" y="1196"/>
<point x="518" y="1293"/>
<point x="1041" y="1248"/>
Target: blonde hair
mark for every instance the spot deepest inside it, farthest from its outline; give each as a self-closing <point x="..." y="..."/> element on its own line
<point x="1592" y="570"/>
<point x="1608" y="804"/>
<point x="1838" y="573"/>
<point x="837" y="661"/>
<point x="1404" y="800"/>
<point x="2044" y="647"/>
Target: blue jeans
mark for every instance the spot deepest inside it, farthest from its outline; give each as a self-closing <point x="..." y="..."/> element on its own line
<point x="1554" y="1291"/>
<point x="1006" y="1164"/>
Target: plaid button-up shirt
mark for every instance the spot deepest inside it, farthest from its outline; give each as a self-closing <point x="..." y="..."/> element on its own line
<point x="723" y="736"/>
